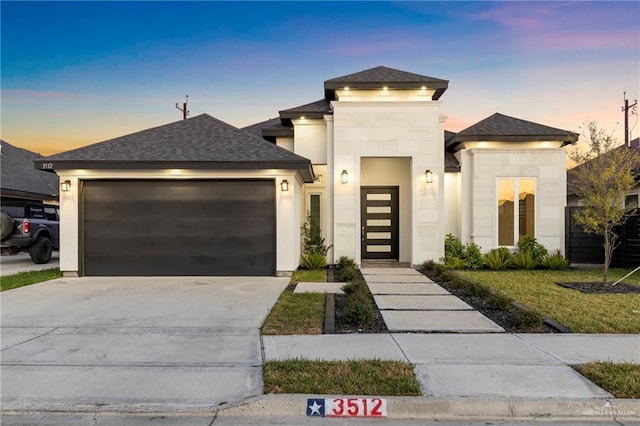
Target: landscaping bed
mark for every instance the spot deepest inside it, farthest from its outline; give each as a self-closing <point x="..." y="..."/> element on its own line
<point x="599" y="287"/>
<point x="501" y="310"/>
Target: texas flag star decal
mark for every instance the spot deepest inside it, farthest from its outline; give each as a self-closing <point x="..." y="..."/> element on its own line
<point x="315" y="407"/>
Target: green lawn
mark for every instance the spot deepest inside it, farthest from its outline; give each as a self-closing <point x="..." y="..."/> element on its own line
<point x="296" y="313"/>
<point x="621" y="380"/>
<point x="374" y="377"/>
<point x="582" y="313"/>
<point x="9" y="282"/>
<point x="309" y="275"/>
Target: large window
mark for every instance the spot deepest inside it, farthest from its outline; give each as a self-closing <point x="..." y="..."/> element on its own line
<point x="516" y="221"/>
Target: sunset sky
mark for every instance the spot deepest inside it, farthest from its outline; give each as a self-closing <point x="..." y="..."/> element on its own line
<point x="75" y="73"/>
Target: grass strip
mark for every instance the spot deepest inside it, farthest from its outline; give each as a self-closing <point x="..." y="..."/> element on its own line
<point x="622" y="380"/>
<point x="581" y="312"/>
<point x="354" y="377"/>
<point x="296" y="313"/>
<point x="21" y="279"/>
<point x="309" y="275"/>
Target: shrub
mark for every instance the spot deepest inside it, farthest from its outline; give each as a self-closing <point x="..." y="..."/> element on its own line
<point x="313" y="261"/>
<point x="529" y="244"/>
<point x="348" y="273"/>
<point x="498" y="259"/>
<point x="358" y="310"/>
<point x="555" y="261"/>
<point x="429" y="264"/>
<point x="473" y="256"/>
<point x="455" y="263"/>
<point x="499" y="301"/>
<point x="524" y="260"/>
<point x="346" y="261"/>
<point x="453" y="248"/>
<point x="479" y="290"/>
<point x="527" y="318"/>
<point x="355" y="286"/>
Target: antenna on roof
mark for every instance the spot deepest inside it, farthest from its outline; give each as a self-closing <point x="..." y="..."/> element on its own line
<point x="185" y="111"/>
<point x="625" y="109"/>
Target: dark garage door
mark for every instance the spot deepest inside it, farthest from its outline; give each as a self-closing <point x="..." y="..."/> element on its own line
<point x="186" y="227"/>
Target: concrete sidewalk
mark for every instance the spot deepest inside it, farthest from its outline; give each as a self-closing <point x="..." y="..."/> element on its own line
<point x="470" y="370"/>
<point x="474" y="365"/>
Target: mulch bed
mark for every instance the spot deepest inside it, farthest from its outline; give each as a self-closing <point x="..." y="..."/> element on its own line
<point x="504" y="318"/>
<point x="601" y="288"/>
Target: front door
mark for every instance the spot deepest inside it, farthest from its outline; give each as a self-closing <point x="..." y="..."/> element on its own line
<point x="379" y="220"/>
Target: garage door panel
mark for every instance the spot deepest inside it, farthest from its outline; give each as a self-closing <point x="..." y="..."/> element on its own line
<point x="163" y="229"/>
<point x="124" y="209"/>
<point x="167" y="266"/>
<point x="223" y="227"/>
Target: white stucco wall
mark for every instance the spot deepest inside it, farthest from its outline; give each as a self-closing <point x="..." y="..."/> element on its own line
<point x="480" y="169"/>
<point x="289" y="208"/>
<point x="310" y="139"/>
<point x="412" y="129"/>
<point x="285" y="142"/>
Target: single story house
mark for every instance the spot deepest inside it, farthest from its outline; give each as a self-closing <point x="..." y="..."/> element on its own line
<point x="371" y="160"/>
<point x="20" y="181"/>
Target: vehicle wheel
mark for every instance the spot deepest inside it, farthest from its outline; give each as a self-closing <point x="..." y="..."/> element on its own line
<point x="40" y="252"/>
<point x="6" y="225"/>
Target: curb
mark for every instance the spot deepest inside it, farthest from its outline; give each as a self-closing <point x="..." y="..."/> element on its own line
<point x="441" y="408"/>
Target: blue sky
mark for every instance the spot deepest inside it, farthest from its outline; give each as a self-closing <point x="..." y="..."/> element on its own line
<point x="75" y="73"/>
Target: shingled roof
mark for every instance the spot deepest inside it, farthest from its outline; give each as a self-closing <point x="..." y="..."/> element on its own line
<point x="374" y="78"/>
<point x="21" y="179"/>
<point x="269" y="129"/>
<point x="201" y="142"/>
<point x="502" y="128"/>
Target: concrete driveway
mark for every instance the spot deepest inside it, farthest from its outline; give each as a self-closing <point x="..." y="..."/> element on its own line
<point x="134" y="344"/>
<point x="22" y="262"/>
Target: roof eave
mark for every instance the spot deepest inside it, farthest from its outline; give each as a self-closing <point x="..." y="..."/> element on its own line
<point x="303" y="167"/>
<point x="330" y="87"/>
<point x="566" y="139"/>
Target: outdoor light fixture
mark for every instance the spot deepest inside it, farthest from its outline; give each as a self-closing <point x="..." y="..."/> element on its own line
<point x="65" y="186"/>
<point x="428" y="176"/>
<point x="345" y="176"/>
<point x="284" y="185"/>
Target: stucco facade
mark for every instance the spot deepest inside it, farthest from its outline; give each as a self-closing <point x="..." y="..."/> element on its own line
<point x="371" y="161"/>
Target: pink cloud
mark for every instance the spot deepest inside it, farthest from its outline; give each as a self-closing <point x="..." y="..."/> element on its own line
<point x="38" y="94"/>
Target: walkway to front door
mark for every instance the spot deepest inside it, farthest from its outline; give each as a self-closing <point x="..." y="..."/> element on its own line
<point x="379" y="221"/>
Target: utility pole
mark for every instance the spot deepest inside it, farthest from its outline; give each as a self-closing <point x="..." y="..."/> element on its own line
<point x="634" y="110"/>
<point x="185" y="111"/>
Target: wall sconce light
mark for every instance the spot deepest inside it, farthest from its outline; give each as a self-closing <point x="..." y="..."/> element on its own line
<point x="284" y="185"/>
<point x="345" y="176"/>
<point x="65" y="186"/>
<point x="428" y="176"/>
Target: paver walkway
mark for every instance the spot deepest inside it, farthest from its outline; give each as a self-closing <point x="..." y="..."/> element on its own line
<point x="409" y="301"/>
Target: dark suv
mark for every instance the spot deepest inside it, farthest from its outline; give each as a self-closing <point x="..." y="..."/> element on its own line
<point x="30" y="227"/>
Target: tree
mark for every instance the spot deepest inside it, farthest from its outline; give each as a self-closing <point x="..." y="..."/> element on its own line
<point x="605" y="174"/>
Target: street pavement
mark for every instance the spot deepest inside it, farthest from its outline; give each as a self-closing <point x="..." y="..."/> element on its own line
<point x="22" y="262"/>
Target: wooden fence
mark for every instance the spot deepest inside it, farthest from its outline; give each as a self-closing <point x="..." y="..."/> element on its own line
<point x="587" y="248"/>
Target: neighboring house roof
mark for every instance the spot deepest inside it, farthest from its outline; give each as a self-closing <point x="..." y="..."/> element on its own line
<point x="21" y="179"/>
<point x="572" y="179"/>
<point x="270" y="129"/>
<point x="373" y="78"/>
<point x="201" y="142"/>
<point x="502" y="128"/>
